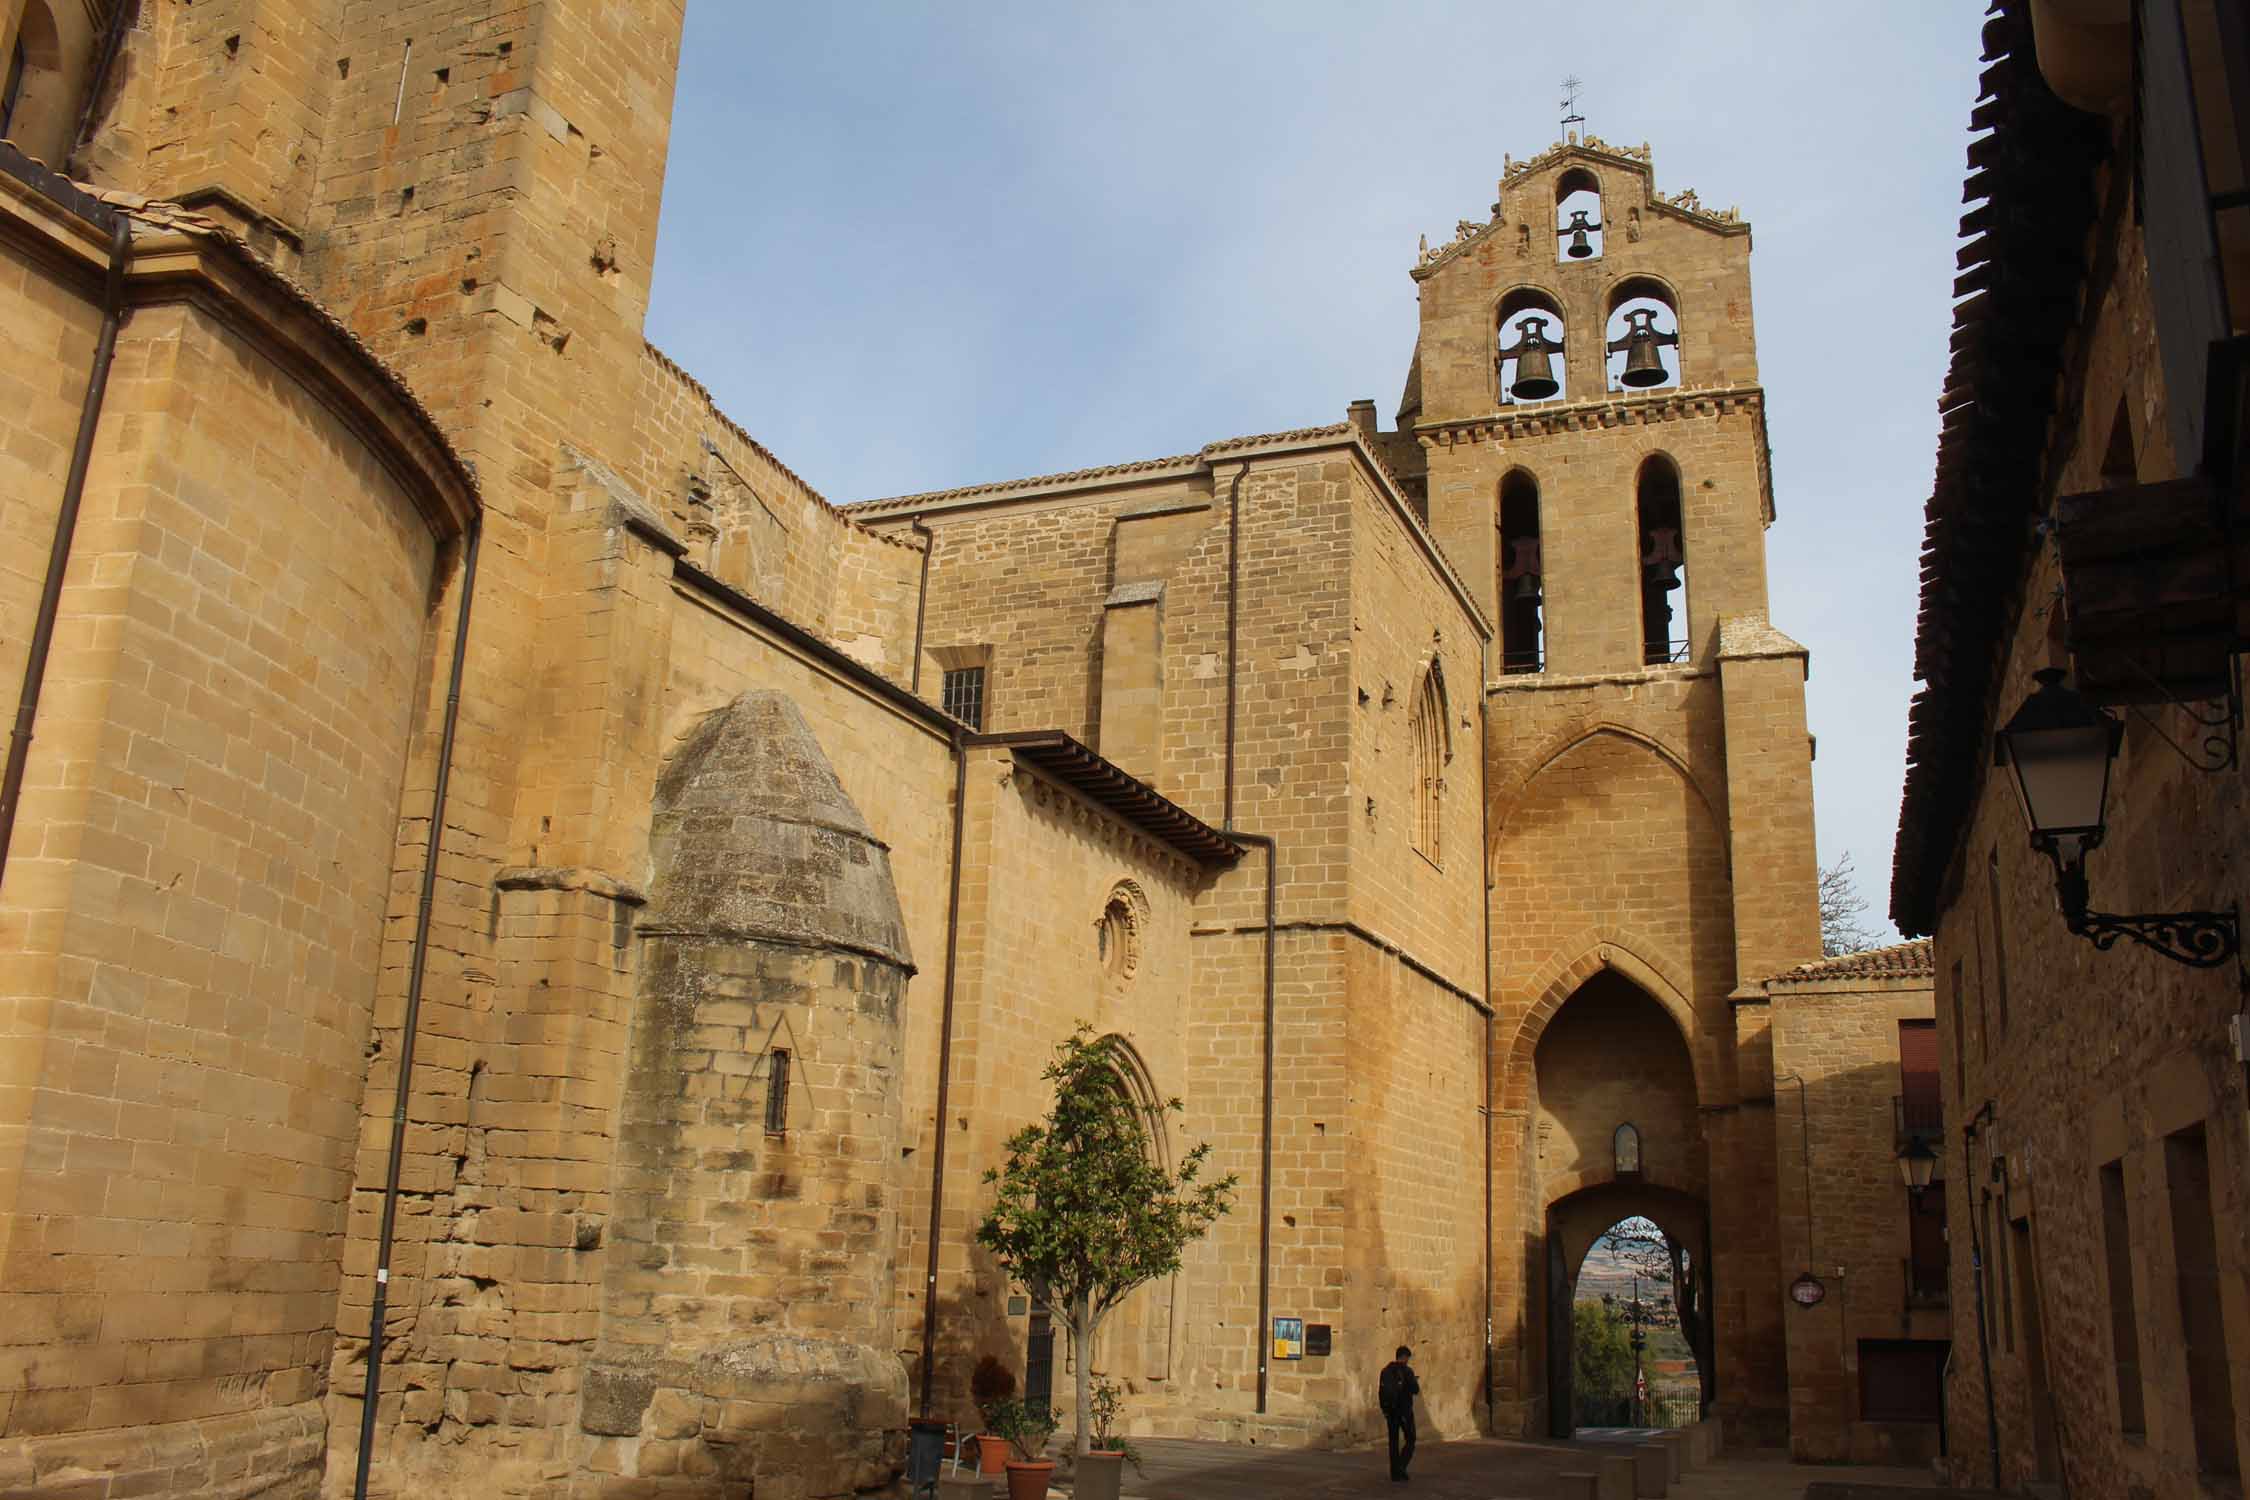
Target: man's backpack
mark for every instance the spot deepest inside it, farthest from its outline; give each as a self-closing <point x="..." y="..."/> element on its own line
<point x="1390" y="1390"/>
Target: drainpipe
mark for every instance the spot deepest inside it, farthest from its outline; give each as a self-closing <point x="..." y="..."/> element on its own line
<point x="921" y="604"/>
<point x="1976" y="1284"/>
<point x="417" y="965"/>
<point x="945" y="1038"/>
<point x="1484" y="902"/>
<point x="66" y="526"/>
<point x="1273" y="858"/>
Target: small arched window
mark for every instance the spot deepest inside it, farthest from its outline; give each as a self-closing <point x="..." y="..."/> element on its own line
<point x="1627" y="1146"/>
<point x="1529" y="354"/>
<point x="1426" y="724"/>
<point x="1578" y="216"/>
<point x="1642" y="336"/>
<point x="1522" y="575"/>
<point x="1664" y="617"/>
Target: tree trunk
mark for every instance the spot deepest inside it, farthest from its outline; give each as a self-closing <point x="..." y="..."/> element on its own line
<point x="1081" y="1348"/>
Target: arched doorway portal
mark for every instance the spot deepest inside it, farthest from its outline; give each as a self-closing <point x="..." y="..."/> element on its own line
<point x="1574" y="1225"/>
<point x="1637" y="1310"/>
<point x="1619" y="1136"/>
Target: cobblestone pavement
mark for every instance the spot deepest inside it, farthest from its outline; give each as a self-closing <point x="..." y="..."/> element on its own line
<point x="1478" y="1469"/>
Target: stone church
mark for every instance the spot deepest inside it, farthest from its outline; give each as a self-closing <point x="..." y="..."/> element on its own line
<point x="525" y="923"/>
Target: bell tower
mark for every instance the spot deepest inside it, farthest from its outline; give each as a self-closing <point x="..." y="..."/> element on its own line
<point x="1585" y="411"/>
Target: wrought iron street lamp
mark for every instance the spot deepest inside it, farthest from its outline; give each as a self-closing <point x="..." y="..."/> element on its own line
<point x="2059" y="748"/>
<point x="1916" y="1164"/>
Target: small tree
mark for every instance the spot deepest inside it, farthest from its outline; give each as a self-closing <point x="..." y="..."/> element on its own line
<point x="1842" y="929"/>
<point x="1085" y="1212"/>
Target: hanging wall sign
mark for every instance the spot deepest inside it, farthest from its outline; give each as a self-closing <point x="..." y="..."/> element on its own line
<point x="1289" y="1338"/>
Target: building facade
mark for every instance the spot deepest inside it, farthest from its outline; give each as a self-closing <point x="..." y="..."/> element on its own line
<point x="528" y="923"/>
<point x="2086" y="521"/>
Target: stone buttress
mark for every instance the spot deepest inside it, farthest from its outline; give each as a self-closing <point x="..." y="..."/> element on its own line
<point x="747" y="1307"/>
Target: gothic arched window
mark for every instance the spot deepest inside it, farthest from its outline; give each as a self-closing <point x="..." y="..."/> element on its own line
<point x="1522" y="573"/>
<point x="1664" y="617"/>
<point x="1432" y="748"/>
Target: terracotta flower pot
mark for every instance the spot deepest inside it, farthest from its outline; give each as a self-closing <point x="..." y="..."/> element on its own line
<point x="1029" y="1481"/>
<point x="992" y="1453"/>
<point x="1101" y="1474"/>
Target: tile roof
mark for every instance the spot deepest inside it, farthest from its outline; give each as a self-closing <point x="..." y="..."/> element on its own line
<point x="1910" y="960"/>
<point x="1178" y="461"/>
<point x="2031" y="173"/>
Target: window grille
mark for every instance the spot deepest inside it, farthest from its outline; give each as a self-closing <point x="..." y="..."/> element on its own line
<point x="963" y="695"/>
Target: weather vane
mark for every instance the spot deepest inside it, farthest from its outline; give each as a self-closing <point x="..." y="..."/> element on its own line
<point x="1571" y="85"/>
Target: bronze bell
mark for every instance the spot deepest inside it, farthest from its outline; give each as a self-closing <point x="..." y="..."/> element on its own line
<point x="1643" y="365"/>
<point x="1577" y="229"/>
<point x="1535" y="368"/>
<point x="1523" y="569"/>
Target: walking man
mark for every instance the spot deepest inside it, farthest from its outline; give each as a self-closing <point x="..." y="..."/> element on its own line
<point x="1394" y="1393"/>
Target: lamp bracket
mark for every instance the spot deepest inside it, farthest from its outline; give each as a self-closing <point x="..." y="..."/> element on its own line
<point x="2220" y="723"/>
<point x="2199" y="939"/>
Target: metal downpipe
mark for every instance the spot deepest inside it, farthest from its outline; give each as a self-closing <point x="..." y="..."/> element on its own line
<point x="945" y="1055"/>
<point x="1273" y="858"/>
<point x="417" y="965"/>
<point x="66" y="527"/>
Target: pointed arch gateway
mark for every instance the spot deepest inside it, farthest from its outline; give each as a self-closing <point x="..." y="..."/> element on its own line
<point x="1608" y="1054"/>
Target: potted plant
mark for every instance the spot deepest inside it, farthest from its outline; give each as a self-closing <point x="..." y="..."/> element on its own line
<point x="1085" y="1212"/>
<point x="1026" y="1425"/>
<point x="1101" y="1469"/>
<point x="990" y="1383"/>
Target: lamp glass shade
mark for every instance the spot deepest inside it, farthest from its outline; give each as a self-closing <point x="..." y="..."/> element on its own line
<point x="2058" y="749"/>
<point x="1916" y="1164"/>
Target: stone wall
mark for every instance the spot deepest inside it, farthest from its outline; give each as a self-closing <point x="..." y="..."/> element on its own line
<point x="2094" y="1062"/>
<point x="194" y="900"/>
<point x="1835" y="1038"/>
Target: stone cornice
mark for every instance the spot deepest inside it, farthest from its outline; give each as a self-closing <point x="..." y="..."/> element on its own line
<point x="1512" y="423"/>
<point x="179" y="257"/>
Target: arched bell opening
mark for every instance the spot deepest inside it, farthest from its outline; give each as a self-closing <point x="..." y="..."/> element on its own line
<point x="42" y="88"/>
<point x="1641" y="336"/>
<point x="1522" y="576"/>
<point x="1663" y="562"/>
<point x="1529" y="351"/>
<point x="1578" y="216"/>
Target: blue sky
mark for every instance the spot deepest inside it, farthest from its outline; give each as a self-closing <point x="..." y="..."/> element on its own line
<point x="914" y="245"/>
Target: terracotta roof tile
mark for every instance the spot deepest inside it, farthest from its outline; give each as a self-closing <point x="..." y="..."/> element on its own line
<point x="1909" y="960"/>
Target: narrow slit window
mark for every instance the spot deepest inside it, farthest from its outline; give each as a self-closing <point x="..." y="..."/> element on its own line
<point x="2124" y="1324"/>
<point x="2195" y="1261"/>
<point x="777" y="1093"/>
<point x="963" y="695"/>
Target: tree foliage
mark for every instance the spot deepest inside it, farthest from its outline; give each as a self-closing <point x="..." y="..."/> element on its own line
<point x="1601" y="1351"/>
<point x="1843" y="924"/>
<point x="1085" y="1212"/>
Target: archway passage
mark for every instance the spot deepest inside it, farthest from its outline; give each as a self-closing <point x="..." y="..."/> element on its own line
<point x="1628" y="1242"/>
<point x="1634" y="1360"/>
<point x="1619" y="1138"/>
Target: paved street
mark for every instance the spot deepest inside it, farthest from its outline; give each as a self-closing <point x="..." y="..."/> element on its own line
<point x="1481" y="1469"/>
